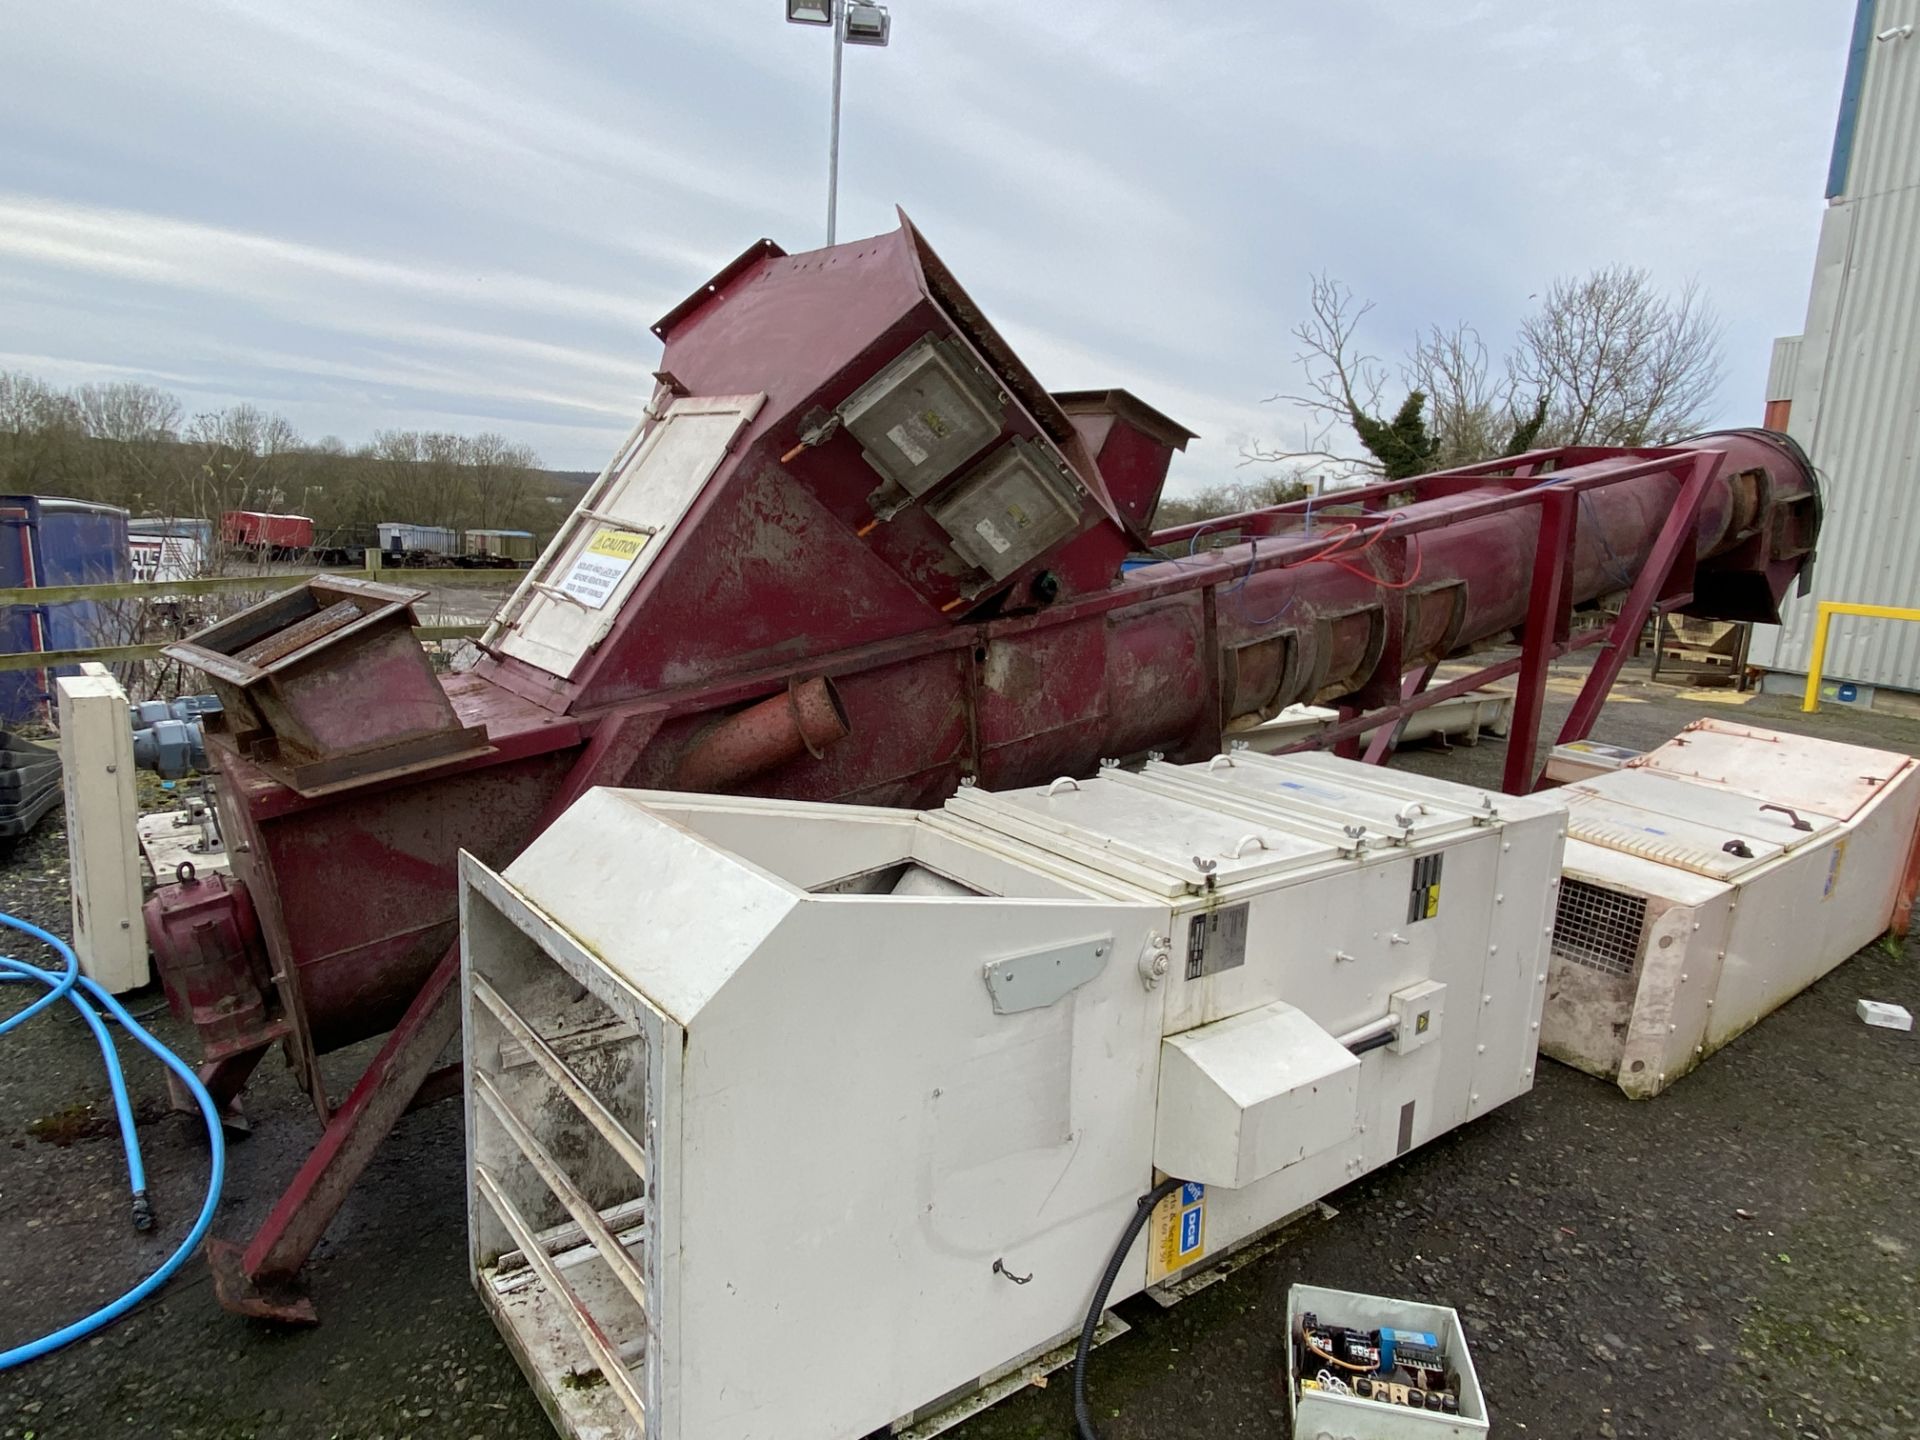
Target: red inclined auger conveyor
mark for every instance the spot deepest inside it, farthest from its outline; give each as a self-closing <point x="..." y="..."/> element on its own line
<point x="855" y="552"/>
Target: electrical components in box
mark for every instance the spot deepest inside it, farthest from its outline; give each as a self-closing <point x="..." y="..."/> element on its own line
<point x="922" y="418"/>
<point x="1396" y="1367"/>
<point x="1365" y="1367"/>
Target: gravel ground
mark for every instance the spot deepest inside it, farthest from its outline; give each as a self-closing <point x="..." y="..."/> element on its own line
<point x="1740" y="1257"/>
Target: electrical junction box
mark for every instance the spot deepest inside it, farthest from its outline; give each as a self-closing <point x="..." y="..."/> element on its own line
<point x="1013" y="506"/>
<point x="1418" y="1009"/>
<point x="1242" y="1098"/>
<point x="925" y="415"/>
<point x="965" y="1042"/>
<point x="1709" y="882"/>
<point x="1322" y="1414"/>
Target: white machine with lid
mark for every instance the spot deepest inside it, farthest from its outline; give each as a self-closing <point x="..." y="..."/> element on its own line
<point x="797" y="1121"/>
<point x="1711" y="880"/>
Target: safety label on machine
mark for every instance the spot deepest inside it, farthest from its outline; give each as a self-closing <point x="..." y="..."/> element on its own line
<point x="602" y="566"/>
<point x="1424" y="902"/>
<point x="1217" y="940"/>
<point x="1179" y="1233"/>
<point x="1835" y="858"/>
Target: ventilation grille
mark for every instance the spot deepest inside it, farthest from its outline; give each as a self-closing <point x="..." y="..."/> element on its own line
<point x="1598" y="927"/>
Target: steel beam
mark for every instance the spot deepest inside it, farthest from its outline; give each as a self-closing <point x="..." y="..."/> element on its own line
<point x="1666" y="580"/>
<point x="1549" y="606"/>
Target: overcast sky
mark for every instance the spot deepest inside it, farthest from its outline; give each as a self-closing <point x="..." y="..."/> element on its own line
<point x="465" y="215"/>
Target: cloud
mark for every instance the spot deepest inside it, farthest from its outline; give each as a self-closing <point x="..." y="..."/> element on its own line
<point x="365" y="214"/>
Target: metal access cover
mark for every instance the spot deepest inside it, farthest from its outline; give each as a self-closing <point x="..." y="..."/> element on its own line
<point x="1111" y="827"/>
<point x="1332" y="798"/>
<point x="1036" y="979"/>
<point x="1807" y="775"/>
<point x="1729" y="810"/>
<point x="1009" y="509"/>
<point x="1666" y="839"/>
<point x="925" y="415"/>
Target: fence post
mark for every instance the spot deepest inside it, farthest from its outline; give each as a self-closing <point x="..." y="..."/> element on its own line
<point x="96" y="758"/>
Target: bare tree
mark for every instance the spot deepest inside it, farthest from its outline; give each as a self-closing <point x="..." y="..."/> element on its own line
<point x="132" y="442"/>
<point x="1621" y="363"/>
<point x="1342" y="380"/>
<point x="499" y="475"/>
<point x="41" y="431"/>
<point x="1231" y="499"/>
<point x="1605" y="360"/>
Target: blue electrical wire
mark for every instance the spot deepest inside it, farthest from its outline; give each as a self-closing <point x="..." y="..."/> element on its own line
<point x="85" y="994"/>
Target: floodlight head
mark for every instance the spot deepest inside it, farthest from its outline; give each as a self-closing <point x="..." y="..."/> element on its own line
<point x="809" y="12"/>
<point x="867" y="24"/>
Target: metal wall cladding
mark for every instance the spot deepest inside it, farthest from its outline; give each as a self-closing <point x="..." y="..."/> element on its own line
<point x="1783" y="370"/>
<point x="1885" y="157"/>
<point x="1856" y="400"/>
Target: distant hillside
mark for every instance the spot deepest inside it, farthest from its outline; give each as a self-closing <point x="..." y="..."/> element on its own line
<point x="566" y="482"/>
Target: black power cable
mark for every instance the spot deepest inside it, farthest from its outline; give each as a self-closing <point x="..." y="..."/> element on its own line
<point x="1083" y="1422"/>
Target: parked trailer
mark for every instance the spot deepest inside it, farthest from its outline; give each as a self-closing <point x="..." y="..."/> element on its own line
<point x="401" y="543"/>
<point x="501" y="548"/>
<point x="282" y="537"/>
<point x="49" y="541"/>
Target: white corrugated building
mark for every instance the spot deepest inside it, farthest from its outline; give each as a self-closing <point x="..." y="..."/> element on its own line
<point x="1848" y="389"/>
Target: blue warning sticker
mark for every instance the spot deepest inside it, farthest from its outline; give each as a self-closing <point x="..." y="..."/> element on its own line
<point x="1191" y="1193"/>
<point x="1189" y="1230"/>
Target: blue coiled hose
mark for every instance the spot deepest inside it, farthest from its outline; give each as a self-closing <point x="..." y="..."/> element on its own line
<point x="85" y="995"/>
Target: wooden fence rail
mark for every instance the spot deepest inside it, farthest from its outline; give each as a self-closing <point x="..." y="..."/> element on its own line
<point x="228" y="584"/>
<point x="225" y="585"/>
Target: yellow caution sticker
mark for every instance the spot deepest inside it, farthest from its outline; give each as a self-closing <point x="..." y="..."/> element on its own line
<point x="600" y="568"/>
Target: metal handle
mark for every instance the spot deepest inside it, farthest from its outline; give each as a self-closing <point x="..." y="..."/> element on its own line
<point x="1240" y="850"/>
<point x="1792" y="815"/>
<point x="1407" y="811"/>
<point x="1067" y="780"/>
<point x="1218" y="761"/>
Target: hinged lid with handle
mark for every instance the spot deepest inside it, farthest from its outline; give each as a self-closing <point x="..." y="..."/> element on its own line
<point x="1694" y="845"/>
<point x="1096" y="822"/>
<point x="1780" y="826"/>
<point x="1823" y="777"/>
<point x="1315" y="796"/>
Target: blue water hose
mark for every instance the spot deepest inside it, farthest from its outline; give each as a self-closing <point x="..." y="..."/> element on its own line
<point x="85" y="994"/>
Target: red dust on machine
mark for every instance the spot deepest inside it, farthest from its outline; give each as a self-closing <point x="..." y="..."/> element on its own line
<point x="854" y="551"/>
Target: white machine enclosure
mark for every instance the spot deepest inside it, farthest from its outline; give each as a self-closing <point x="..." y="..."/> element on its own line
<point x="1710" y="881"/>
<point x="795" y="1120"/>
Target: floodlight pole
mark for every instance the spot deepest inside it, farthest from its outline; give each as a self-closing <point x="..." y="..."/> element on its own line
<point x="833" y="132"/>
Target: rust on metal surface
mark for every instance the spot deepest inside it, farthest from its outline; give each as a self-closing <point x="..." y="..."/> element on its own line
<point x="299" y="634"/>
<point x="804" y="721"/>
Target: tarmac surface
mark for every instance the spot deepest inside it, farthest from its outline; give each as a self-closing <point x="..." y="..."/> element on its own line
<point x="1739" y="1257"/>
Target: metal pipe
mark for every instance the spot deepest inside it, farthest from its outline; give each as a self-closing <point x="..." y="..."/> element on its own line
<point x="1373" y="1029"/>
<point x="833" y="129"/>
<point x="807" y="719"/>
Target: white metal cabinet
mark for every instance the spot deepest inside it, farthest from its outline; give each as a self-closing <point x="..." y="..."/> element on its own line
<point x="878" y="1067"/>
